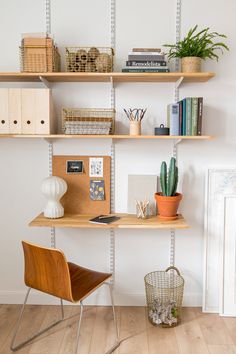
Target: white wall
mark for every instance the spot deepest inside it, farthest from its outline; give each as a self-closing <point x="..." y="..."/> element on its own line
<point x="24" y="163"/>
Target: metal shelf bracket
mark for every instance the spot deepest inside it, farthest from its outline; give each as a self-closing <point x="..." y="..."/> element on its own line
<point x="45" y="81"/>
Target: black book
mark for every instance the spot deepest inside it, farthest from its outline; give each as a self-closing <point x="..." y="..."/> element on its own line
<point x="200" y="110"/>
<point x="104" y="219"/>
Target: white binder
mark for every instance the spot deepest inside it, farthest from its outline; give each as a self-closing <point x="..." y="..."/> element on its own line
<point x="14" y="110"/>
<point x="4" y="119"/>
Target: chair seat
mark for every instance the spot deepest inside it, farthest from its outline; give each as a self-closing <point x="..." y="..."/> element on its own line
<point x="84" y="281"/>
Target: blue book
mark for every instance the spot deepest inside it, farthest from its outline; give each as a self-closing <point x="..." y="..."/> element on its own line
<point x="184" y="118"/>
<point x="173" y="118"/>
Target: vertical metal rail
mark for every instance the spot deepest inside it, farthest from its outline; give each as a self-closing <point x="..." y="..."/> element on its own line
<point x="50" y="155"/>
<point x="176" y="98"/>
<point x="178" y="29"/>
<point x="112" y="231"/>
<point x="48" y="17"/>
<point x="112" y="152"/>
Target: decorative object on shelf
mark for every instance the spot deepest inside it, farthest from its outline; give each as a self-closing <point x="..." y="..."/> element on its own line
<point x="53" y="189"/>
<point x="89" y="59"/>
<point x="146" y="60"/>
<point x="164" y="295"/>
<point x="168" y="201"/>
<point x="39" y="54"/>
<point x="142" y="209"/>
<point x="88" y="121"/>
<point x="162" y="130"/>
<point x="135" y="117"/>
<point x="197" y="46"/>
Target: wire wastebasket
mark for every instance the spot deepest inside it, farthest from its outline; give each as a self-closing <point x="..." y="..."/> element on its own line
<point x="164" y="295"/>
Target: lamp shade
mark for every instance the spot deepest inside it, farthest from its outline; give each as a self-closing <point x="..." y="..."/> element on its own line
<point x="53" y="188"/>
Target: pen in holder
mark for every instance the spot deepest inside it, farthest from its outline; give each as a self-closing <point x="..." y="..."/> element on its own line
<point x="142" y="209"/>
<point x="135" y="117"/>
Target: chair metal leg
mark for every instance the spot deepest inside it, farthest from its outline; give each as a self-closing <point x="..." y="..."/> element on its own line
<point x="62" y="310"/>
<point x="79" y="325"/>
<point x="19" y="346"/>
<point x="117" y="342"/>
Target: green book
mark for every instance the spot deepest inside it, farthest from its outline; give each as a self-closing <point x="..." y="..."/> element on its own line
<point x="194" y="115"/>
<point x="188" y="116"/>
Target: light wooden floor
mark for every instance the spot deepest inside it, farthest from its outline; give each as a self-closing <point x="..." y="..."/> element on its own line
<point x="197" y="334"/>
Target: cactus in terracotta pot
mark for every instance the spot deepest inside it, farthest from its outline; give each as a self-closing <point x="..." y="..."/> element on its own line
<point x="169" y="182"/>
<point x="168" y="200"/>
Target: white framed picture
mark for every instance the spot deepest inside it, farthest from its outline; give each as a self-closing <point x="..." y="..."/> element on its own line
<point x="96" y="167"/>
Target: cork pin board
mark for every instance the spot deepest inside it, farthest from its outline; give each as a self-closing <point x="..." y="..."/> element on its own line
<point x="77" y="198"/>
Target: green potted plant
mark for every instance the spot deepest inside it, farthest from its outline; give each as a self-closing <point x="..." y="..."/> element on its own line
<point x="195" y="47"/>
<point x="168" y="200"/>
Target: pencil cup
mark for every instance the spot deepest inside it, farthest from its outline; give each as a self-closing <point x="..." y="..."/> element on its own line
<point x="142" y="209"/>
<point x="135" y="128"/>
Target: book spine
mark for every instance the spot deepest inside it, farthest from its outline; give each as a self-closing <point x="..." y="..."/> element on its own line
<point x="188" y="116"/>
<point x="180" y="117"/>
<point x="200" y="111"/>
<point x="146" y="70"/>
<point x="194" y="115"/>
<point x="184" y="118"/>
<point x="145" y="63"/>
<point x="146" y="57"/>
<point x="146" y="53"/>
<point x="173" y="118"/>
<point x="156" y="50"/>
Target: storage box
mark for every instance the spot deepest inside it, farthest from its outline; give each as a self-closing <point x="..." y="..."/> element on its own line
<point x="94" y="121"/>
<point x="89" y="59"/>
<point x="39" y="54"/>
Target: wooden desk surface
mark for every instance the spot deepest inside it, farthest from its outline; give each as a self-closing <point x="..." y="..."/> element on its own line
<point x="126" y="221"/>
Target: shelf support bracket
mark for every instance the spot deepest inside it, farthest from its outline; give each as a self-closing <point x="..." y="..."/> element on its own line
<point x="44" y="81"/>
<point x="177" y="86"/>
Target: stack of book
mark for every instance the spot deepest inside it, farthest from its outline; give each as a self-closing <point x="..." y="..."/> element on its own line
<point x="185" y="117"/>
<point x="146" y="60"/>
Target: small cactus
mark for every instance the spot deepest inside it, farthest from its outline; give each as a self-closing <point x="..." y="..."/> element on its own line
<point x="169" y="182"/>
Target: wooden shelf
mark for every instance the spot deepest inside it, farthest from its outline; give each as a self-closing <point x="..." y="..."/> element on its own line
<point x="126" y="221"/>
<point x="117" y="137"/>
<point x="105" y="77"/>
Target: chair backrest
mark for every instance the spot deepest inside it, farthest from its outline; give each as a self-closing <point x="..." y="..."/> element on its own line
<point x="46" y="269"/>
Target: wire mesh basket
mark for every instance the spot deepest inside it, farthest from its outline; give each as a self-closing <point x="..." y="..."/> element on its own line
<point x="39" y="59"/>
<point x="89" y="59"/>
<point x="164" y="295"/>
<point x="94" y="121"/>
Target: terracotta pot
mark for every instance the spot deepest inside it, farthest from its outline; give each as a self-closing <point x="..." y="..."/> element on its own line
<point x="191" y="65"/>
<point x="168" y="206"/>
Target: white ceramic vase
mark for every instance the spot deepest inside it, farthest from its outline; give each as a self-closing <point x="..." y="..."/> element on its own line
<point x="53" y="188"/>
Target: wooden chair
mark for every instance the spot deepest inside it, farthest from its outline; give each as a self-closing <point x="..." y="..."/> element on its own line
<point x="47" y="270"/>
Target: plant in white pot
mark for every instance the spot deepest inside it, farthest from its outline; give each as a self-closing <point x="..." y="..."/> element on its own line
<point x="197" y="46"/>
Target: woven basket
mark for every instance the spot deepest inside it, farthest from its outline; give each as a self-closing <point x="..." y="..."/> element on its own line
<point x="89" y="59"/>
<point x="85" y="121"/>
<point x="164" y="291"/>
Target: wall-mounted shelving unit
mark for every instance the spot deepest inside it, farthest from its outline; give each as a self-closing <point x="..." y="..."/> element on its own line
<point x="115" y="137"/>
<point x="126" y="221"/>
<point x="106" y="77"/>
